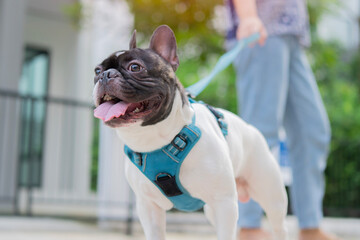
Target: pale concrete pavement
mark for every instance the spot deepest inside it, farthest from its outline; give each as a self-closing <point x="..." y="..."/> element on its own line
<point x="22" y="228"/>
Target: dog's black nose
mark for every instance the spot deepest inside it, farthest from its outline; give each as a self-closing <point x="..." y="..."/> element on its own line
<point x="109" y="75"/>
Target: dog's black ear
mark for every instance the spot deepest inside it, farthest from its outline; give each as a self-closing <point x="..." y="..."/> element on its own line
<point x="133" y="40"/>
<point x="163" y="42"/>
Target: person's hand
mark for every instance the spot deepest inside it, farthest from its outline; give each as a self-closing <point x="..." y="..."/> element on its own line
<point x="249" y="26"/>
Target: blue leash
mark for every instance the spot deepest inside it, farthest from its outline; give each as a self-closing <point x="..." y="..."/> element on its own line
<point x="223" y="62"/>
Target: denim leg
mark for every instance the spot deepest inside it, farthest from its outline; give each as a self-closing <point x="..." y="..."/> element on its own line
<point x="262" y="82"/>
<point x="250" y="214"/>
<point x="308" y="135"/>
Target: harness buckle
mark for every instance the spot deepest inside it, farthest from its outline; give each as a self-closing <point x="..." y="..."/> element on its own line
<point x="168" y="184"/>
<point x="177" y="145"/>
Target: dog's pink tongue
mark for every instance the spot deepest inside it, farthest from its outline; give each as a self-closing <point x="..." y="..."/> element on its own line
<point x="109" y="110"/>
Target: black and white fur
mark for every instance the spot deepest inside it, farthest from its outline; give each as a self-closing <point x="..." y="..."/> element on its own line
<point x="218" y="170"/>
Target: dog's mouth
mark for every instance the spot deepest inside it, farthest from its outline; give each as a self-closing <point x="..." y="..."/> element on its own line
<point x="112" y="109"/>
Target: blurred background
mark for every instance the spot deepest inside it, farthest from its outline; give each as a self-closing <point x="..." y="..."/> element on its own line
<point x="57" y="160"/>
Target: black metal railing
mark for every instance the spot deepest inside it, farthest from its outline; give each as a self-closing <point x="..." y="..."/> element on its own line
<point x="29" y="117"/>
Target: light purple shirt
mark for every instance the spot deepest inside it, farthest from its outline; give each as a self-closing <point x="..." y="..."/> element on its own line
<point x="279" y="17"/>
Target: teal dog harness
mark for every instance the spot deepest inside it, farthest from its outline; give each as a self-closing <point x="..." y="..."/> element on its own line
<point x="162" y="166"/>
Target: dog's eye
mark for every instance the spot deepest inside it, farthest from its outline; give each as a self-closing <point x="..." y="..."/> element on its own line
<point x="97" y="71"/>
<point x="135" y="67"/>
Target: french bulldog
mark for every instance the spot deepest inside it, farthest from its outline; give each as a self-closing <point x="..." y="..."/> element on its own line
<point x="137" y="93"/>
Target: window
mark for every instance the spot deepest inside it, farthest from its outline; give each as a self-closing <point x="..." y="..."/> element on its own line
<point x="33" y="87"/>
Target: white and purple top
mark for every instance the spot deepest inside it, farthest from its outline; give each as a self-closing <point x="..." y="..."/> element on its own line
<point x="279" y="17"/>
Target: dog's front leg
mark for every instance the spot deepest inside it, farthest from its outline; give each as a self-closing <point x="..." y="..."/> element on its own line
<point x="223" y="214"/>
<point x="152" y="218"/>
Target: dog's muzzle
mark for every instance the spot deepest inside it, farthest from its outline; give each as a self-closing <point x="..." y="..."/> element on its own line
<point x="108" y="76"/>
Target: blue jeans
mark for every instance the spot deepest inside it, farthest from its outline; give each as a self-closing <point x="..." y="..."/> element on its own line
<point x="276" y="88"/>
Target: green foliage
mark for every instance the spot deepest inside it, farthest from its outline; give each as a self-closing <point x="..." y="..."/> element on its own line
<point x="355" y="70"/>
<point x="338" y="85"/>
<point x="190" y="20"/>
<point x="221" y="91"/>
<point x="343" y="170"/>
<point x="199" y="45"/>
<point x="339" y="82"/>
<point x="95" y="154"/>
<point x="74" y="13"/>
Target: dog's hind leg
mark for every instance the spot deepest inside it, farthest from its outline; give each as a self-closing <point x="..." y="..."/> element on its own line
<point x="272" y="198"/>
<point x="265" y="185"/>
<point x="276" y="216"/>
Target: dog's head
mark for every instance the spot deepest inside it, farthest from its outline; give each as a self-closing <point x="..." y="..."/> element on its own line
<point x="138" y="84"/>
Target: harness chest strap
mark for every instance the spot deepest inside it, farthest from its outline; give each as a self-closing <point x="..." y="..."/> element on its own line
<point x="162" y="166"/>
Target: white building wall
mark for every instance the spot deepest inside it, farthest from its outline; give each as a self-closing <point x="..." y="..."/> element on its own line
<point x="74" y="54"/>
<point x="12" y="14"/>
<point x="11" y="43"/>
<point x="66" y="160"/>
